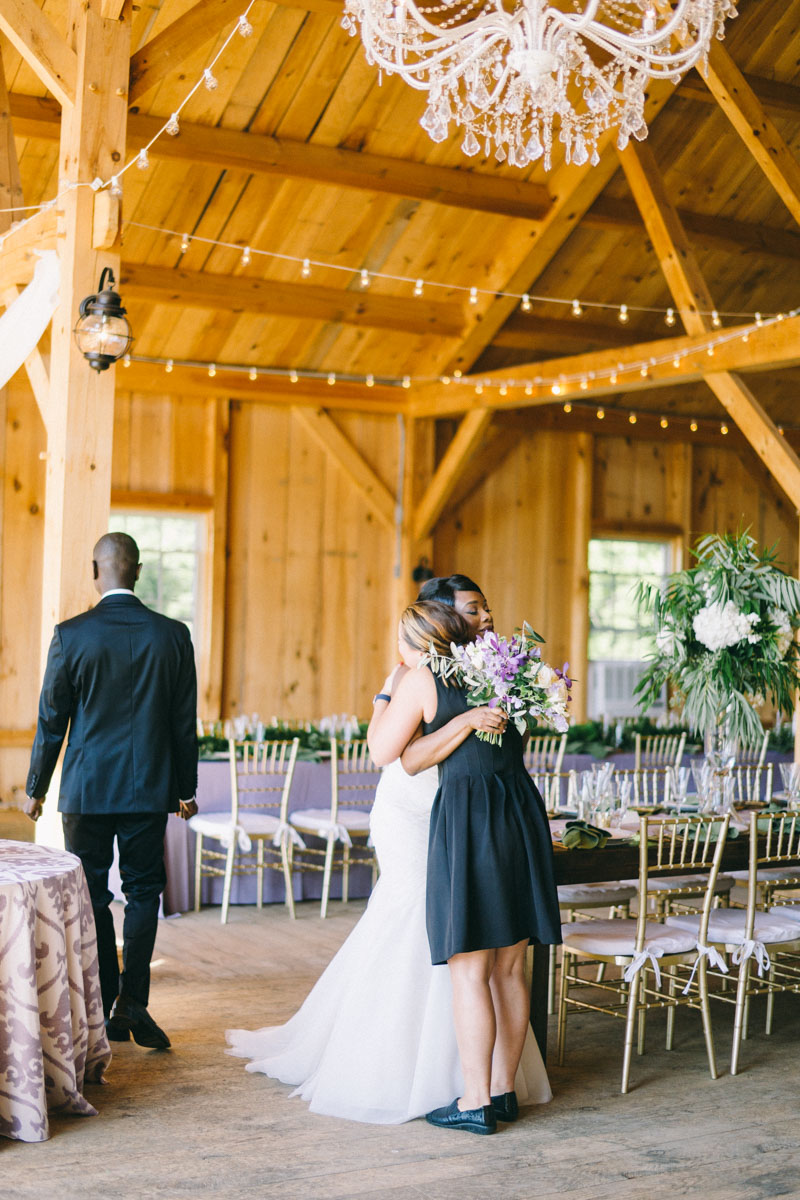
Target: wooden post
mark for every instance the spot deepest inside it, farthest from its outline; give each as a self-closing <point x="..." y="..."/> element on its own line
<point x="417" y="455"/>
<point x="578" y="601"/>
<point x="81" y="411"/>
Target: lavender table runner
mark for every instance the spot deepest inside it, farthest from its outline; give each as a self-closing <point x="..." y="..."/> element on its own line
<point x="52" y="1035"/>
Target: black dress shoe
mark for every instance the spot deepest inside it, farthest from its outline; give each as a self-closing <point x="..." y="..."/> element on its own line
<point x="116" y="1032"/>
<point x="473" y="1120"/>
<point x="130" y="1014"/>
<point x="506" y="1107"/>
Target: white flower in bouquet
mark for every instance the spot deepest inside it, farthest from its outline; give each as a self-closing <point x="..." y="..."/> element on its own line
<point x="783" y="630"/>
<point x="545" y="676"/>
<point x="720" y="625"/>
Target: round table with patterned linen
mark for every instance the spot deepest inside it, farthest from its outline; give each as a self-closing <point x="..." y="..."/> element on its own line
<point x="52" y="1034"/>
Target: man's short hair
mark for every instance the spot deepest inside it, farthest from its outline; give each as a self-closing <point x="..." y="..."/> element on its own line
<point x="444" y="588"/>
<point x="119" y="552"/>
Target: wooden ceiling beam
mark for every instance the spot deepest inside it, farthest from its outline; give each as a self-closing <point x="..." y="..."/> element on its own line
<point x="206" y="19"/>
<point x="10" y="181"/>
<point x="150" y="378"/>
<point x="612" y="212"/>
<point x="770" y="347"/>
<point x="778" y="99"/>
<point x="259" y="154"/>
<point x="465" y="444"/>
<point x="42" y="46"/>
<point x="18" y="256"/>
<point x="327" y="433"/>
<point x="524" y="331"/>
<point x="694" y="301"/>
<point x="746" y="113"/>
<point x="274" y="297"/>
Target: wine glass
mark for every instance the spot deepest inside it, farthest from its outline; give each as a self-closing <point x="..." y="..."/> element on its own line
<point x="678" y="785"/>
<point x="790" y="774"/>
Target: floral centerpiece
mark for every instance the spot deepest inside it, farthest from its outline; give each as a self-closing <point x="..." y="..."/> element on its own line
<point x="508" y="673"/>
<point x="725" y="637"/>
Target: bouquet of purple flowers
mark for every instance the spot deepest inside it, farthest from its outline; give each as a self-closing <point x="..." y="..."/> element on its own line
<point x="508" y="673"/>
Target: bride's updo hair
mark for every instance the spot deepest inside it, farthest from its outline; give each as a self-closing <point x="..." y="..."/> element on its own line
<point x="429" y="623"/>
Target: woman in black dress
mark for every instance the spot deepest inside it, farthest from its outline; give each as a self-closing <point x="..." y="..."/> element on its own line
<point x="490" y="888"/>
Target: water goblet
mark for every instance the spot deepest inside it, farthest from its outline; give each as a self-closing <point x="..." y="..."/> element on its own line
<point x="790" y="774"/>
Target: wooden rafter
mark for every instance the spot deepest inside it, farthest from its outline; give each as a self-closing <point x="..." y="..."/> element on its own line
<point x="18" y="255"/>
<point x="10" y="182"/>
<point x="746" y="113"/>
<point x="778" y="99"/>
<point x="231" y="149"/>
<point x="35" y="366"/>
<point x="205" y="20"/>
<point x="528" y="330"/>
<point x="771" y="346"/>
<point x="694" y="302"/>
<point x="465" y="444"/>
<point x="361" y="475"/>
<point x="196" y="289"/>
<point x="33" y="35"/>
<point x="195" y="381"/>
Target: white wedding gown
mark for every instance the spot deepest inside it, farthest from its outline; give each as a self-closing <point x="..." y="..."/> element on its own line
<point x="374" y="1041"/>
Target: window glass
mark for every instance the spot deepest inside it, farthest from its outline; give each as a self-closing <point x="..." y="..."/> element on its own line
<point x="616" y="631"/>
<point x="171" y="552"/>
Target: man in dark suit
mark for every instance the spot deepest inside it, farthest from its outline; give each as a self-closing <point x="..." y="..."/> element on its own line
<point x="122" y="678"/>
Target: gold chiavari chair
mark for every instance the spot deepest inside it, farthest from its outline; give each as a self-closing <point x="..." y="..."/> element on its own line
<point x="753" y="753"/>
<point x="659" y="750"/>
<point x="642" y="947"/>
<point x="345" y="824"/>
<point x="545" y="754"/>
<point x="558" y="789"/>
<point x="746" y="934"/>
<point x="261" y="780"/>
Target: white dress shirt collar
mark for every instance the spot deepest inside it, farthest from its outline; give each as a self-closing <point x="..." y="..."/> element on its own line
<point x="117" y="592"/>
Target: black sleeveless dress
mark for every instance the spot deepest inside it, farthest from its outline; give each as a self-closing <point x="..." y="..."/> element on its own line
<point x="490" y="854"/>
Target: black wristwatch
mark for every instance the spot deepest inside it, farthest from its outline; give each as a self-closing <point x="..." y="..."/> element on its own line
<point x="381" y="696"/>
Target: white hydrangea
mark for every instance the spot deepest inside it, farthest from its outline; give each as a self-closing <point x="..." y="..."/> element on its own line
<point x="720" y="625"/>
<point x="783" y="625"/>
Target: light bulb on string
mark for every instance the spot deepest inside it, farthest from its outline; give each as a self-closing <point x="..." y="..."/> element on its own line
<point x="457" y="373"/>
<point x="759" y="319"/>
<point x="305" y="270"/>
<point x="246" y="256"/>
<point x="577" y="309"/>
<point x="473" y="295"/>
<point x="526" y="303"/>
<point x="676" y="362"/>
<point x="710" y="351"/>
<point x="331" y="379"/>
<point x="478" y="389"/>
<point x="210" y="80"/>
<point x="503" y="390"/>
<point x="406" y="382"/>
<point x="612" y="379"/>
<point x="419" y="287"/>
<point x="293" y="376"/>
<point x="168" y="366"/>
<point x="643" y="370"/>
<point x="669" y="318"/>
<point x="567" y="408"/>
<point x="212" y="370"/>
<point x="528" y="389"/>
<point x="126" y="360"/>
<point x="601" y="413"/>
<point x="172" y="126"/>
<point x="746" y="337"/>
<point x="664" y="423"/>
<point x="253" y="374"/>
<point x="584" y="384"/>
<point x="622" y="315"/>
<point x="632" y="418"/>
<point x="116" y="186"/>
<point x="556" y="389"/>
<point x="723" y="429"/>
<point x="185" y="240"/>
<point x="370" y="381"/>
<point x="693" y="426"/>
<point x="243" y="27"/>
<point x="781" y="430"/>
<point x="445" y="379"/>
<point x="142" y="159"/>
<point x="364" y="278"/>
<point x="716" y="320"/>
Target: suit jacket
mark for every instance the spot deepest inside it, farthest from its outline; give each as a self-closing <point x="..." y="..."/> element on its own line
<point x="122" y="677"/>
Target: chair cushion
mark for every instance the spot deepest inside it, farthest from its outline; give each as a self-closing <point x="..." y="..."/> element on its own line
<point x="727" y="925"/>
<point x="318" y="820"/>
<point x="218" y="824"/>
<point x="618" y="937"/>
<point x="769" y="874"/>
<point x="601" y="895"/>
<point x="787" y="912"/>
<point x="667" y="882"/>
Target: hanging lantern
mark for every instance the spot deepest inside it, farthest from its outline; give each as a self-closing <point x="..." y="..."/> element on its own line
<point x="102" y="333"/>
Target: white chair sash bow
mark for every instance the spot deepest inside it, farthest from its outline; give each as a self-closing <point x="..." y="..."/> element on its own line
<point x="752" y="948"/>
<point x="226" y="834"/>
<point x="715" y="959"/>
<point x="285" y="831"/>
<point x="640" y="960"/>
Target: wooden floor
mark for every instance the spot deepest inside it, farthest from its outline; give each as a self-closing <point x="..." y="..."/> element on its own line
<point x="191" y="1123"/>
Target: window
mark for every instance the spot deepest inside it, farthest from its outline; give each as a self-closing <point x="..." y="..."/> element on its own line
<point x="619" y="638"/>
<point x="171" y="549"/>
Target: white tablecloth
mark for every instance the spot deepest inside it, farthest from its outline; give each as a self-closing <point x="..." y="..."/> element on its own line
<point x="52" y="1035"/>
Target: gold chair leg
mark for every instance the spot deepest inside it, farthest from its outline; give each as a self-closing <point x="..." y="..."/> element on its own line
<point x="671" y="1010"/>
<point x="738" y="1021"/>
<point x="326" y="878"/>
<point x="260" y="873"/>
<point x="286" y="862"/>
<point x="226" y="890"/>
<point x="346" y="874"/>
<point x="562" y="1006"/>
<point x="705" y="1009"/>
<point x="630" y="1022"/>
<point x="198" y="870"/>
<point x="551" y="981"/>
<point x="642" y="1022"/>
<point x="770" y="1001"/>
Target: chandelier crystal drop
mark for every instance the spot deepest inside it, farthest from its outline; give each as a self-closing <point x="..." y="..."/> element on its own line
<point x="514" y="74"/>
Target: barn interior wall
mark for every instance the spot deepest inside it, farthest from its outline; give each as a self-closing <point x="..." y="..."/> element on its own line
<point x="307" y="570"/>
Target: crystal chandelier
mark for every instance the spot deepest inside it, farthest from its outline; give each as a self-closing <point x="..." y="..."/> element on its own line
<point x="511" y="73"/>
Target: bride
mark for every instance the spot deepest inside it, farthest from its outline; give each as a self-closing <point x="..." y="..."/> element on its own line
<point x="374" y="1040"/>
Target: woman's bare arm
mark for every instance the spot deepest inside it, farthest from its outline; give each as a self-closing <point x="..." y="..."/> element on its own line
<point x="427" y="750"/>
<point x="394" y="726"/>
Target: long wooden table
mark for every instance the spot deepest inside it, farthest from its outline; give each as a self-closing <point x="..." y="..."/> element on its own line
<point x="617" y="860"/>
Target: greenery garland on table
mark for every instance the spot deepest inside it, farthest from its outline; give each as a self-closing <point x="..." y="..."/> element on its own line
<point x="725" y="637"/>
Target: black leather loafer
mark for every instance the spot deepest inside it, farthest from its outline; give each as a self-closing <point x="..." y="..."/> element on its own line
<point x="117" y="1033"/>
<point x="473" y="1120"/>
<point x="506" y="1107"/>
<point x="130" y="1014"/>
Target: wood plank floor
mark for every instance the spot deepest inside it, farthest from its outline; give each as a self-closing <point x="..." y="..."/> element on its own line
<point x="191" y="1123"/>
